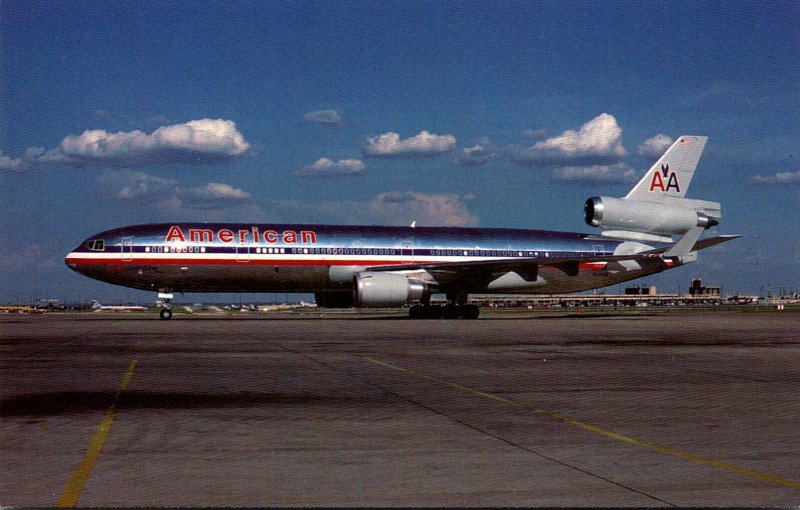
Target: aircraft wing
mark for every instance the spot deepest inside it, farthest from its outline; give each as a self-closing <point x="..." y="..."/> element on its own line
<point x="528" y="267"/>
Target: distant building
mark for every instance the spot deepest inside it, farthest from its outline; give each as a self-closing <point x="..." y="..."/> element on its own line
<point x="697" y="289"/>
<point x="641" y="291"/>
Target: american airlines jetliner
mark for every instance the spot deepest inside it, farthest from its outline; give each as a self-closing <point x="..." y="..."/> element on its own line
<point x="653" y="228"/>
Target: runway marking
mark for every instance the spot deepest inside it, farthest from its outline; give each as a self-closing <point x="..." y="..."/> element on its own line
<point x="72" y="490"/>
<point x="597" y="430"/>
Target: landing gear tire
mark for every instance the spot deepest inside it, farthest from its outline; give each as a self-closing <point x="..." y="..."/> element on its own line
<point x="470" y="312"/>
<point x="432" y="312"/>
<point x="451" y="312"/>
<point x="467" y="312"/>
<point x="165" y="314"/>
<point x="425" y="312"/>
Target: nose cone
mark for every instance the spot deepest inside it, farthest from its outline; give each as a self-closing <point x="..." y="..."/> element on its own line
<point x="70" y="261"/>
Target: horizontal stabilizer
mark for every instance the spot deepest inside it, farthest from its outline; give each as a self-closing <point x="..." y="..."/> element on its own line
<point x="712" y="241"/>
<point x="699" y="245"/>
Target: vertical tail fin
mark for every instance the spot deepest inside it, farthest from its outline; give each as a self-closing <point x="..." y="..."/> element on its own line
<point x="671" y="175"/>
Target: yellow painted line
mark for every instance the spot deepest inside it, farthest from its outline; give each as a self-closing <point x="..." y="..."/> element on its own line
<point x="598" y="430"/>
<point x="72" y="490"/>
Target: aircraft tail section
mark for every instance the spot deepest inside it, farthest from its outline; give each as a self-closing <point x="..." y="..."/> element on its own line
<point x="671" y="175"/>
<point x="656" y="209"/>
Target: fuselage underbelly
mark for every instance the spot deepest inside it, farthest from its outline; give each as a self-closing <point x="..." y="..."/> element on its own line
<point x="255" y="277"/>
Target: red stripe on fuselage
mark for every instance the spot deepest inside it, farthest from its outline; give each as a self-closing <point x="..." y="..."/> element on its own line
<point x="205" y="261"/>
<point x="228" y="262"/>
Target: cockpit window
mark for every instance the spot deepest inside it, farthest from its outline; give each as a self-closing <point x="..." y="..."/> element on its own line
<point x="95" y="244"/>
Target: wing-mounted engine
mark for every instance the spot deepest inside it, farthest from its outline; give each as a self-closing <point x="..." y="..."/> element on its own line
<point x="639" y="220"/>
<point x="386" y="289"/>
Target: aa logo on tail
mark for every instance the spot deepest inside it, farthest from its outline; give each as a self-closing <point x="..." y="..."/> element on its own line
<point x="657" y="182"/>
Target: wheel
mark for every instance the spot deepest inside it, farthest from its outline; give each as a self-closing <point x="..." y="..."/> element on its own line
<point x="425" y="312"/>
<point x="451" y="311"/>
<point x="416" y="312"/>
<point x="434" y="312"/>
<point x="470" y="312"/>
<point x="165" y="314"/>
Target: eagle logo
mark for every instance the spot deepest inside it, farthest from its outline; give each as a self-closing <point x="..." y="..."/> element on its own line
<point x="665" y="176"/>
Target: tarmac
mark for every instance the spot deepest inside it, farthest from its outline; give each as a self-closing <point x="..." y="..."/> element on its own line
<point x="534" y="409"/>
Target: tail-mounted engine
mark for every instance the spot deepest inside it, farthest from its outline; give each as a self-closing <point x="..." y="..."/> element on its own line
<point x="661" y="219"/>
<point x="386" y="289"/>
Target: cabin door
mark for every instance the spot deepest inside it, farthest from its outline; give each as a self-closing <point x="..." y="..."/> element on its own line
<point x="127" y="249"/>
<point x="407" y="252"/>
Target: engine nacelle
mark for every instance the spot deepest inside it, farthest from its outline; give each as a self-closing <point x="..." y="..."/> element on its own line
<point x="386" y="289"/>
<point x="645" y="217"/>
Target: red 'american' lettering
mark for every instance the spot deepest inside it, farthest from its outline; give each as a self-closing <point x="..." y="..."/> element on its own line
<point x="245" y="235"/>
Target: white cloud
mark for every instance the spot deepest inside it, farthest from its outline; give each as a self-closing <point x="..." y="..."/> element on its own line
<point x="26" y="162"/>
<point x="597" y="142"/>
<point x="595" y="173"/>
<point x="206" y="135"/>
<point x="33" y="153"/>
<point x="209" y="202"/>
<point x="600" y="135"/>
<point x="8" y="164"/>
<point x="324" y="117"/>
<point x="196" y="141"/>
<point x="424" y="144"/>
<point x="325" y="167"/>
<point x="130" y="185"/>
<point x="427" y="209"/>
<point x="401" y="208"/>
<point x="213" y="195"/>
<point x="396" y="208"/>
<point x="481" y="152"/>
<point x="655" y="146"/>
<point x="778" y="178"/>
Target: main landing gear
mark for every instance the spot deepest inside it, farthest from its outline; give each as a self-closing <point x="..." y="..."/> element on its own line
<point x="444" y="312"/>
<point x="166" y="307"/>
<point x="456" y="309"/>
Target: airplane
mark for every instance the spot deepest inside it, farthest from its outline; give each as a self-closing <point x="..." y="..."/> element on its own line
<point x="97" y="307"/>
<point x="652" y="229"/>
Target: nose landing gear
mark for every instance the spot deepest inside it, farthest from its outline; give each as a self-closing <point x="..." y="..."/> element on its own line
<point x="166" y="308"/>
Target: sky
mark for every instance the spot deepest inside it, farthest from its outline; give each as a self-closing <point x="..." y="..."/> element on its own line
<point x="460" y="113"/>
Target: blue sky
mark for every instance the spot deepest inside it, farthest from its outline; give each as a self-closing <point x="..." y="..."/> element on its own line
<point x="492" y="114"/>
